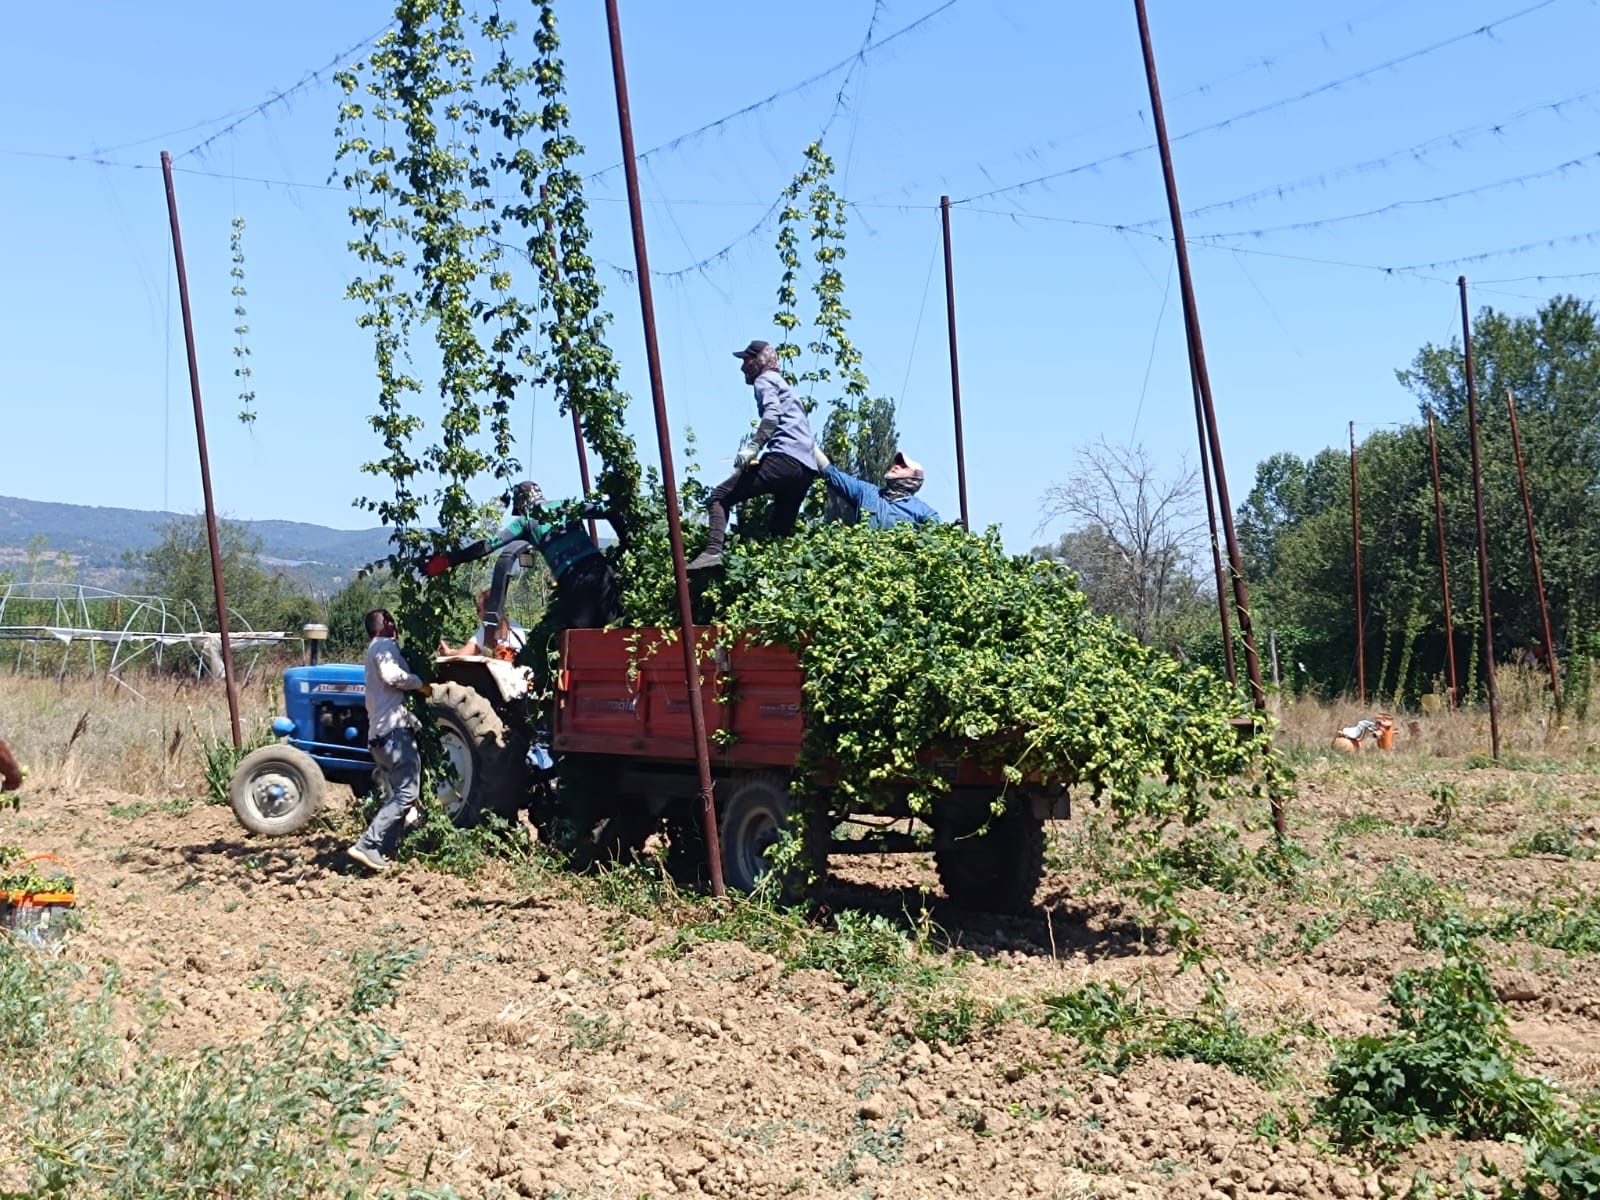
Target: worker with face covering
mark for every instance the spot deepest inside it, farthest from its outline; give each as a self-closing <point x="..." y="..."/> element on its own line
<point x="892" y="502"/>
<point x="785" y="448"/>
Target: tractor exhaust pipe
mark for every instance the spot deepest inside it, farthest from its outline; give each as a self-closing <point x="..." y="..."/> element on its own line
<point x="313" y="636"/>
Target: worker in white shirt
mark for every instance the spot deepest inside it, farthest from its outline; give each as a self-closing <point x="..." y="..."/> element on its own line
<point x="392" y="734"/>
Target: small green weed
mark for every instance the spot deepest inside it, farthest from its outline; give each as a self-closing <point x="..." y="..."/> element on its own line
<point x="1361" y="825"/>
<point x="1450" y="1066"/>
<point x="304" y="1108"/>
<point x="598" y="1032"/>
<point x="1117" y="1028"/>
<point x="1564" y="840"/>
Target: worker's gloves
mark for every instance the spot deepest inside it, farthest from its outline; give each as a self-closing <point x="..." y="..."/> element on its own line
<point x="745" y="456"/>
<point x="436" y="564"/>
<point x="823" y="461"/>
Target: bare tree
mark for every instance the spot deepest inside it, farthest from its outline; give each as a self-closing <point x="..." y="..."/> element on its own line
<point x="1133" y="535"/>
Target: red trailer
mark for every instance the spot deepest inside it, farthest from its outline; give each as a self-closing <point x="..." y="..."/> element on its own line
<point x="622" y="724"/>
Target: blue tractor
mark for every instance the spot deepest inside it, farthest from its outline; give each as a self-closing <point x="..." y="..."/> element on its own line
<point x="477" y="705"/>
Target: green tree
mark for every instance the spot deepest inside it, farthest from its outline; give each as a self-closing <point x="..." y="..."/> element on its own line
<point x="178" y="568"/>
<point x="349" y="606"/>
<point x="1551" y="363"/>
<point x="1295" y="525"/>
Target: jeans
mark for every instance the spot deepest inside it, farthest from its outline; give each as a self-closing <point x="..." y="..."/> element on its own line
<point x="399" y="775"/>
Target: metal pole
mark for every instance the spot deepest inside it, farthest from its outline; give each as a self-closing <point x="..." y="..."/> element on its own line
<point x="1272" y="648"/>
<point x="577" y="423"/>
<point x="205" y="461"/>
<point x="1444" y="566"/>
<point x="955" y="363"/>
<point x="669" y="482"/>
<point x="1197" y="363"/>
<point x="1216" y="543"/>
<point x="1533" y="548"/>
<point x="1483" y="540"/>
<point x="1355" y="537"/>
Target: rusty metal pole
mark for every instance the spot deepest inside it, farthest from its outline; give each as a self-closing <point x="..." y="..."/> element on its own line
<point x="1483" y="539"/>
<point x="577" y="423"/>
<point x="1444" y="565"/>
<point x="955" y="362"/>
<point x="1533" y="549"/>
<point x="1197" y="363"/>
<point x="205" y="461"/>
<point x="669" y="482"/>
<point x="1355" y="538"/>
<point x="1216" y="542"/>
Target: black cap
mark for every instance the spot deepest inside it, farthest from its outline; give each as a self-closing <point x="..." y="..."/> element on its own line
<point x="753" y="349"/>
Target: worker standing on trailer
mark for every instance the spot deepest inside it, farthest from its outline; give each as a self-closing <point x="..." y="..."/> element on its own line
<point x="392" y="734"/>
<point x="892" y="502"/>
<point x="586" y="595"/>
<point x="784" y="469"/>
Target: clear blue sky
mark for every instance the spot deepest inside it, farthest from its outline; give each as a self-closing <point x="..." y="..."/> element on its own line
<point x="1068" y="329"/>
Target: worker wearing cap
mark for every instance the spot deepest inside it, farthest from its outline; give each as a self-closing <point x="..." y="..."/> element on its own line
<point x="784" y="469"/>
<point x="892" y="502"/>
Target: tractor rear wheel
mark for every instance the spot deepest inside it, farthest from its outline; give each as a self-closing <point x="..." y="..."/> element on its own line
<point x="490" y="758"/>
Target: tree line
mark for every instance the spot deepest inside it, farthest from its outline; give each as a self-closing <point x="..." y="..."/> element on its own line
<point x="1140" y="544"/>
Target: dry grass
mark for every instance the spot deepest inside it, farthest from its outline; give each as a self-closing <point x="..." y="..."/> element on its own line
<point x="91" y="733"/>
<point x="1528" y="728"/>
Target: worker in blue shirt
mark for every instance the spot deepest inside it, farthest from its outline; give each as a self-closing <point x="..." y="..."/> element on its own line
<point x="890" y="503"/>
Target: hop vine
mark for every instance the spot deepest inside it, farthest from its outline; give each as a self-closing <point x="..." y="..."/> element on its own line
<point x="241" y="351"/>
<point x="859" y="432"/>
<point x="440" y="248"/>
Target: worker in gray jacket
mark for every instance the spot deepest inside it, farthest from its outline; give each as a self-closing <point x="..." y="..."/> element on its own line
<point x="785" y="466"/>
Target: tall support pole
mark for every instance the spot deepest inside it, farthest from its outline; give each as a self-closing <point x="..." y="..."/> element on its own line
<point x="955" y="362"/>
<point x="1533" y="549"/>
<point x="577" y="422"/>
<point x="1444" y="565"/>
<point x="1483" y="540"/>
<point x="1197" y="363"/>
<point x="1216" y="542"/>
<point x="669" y="482"/>
<point x="205" y="461"/>
<point x="1355" y="539"/>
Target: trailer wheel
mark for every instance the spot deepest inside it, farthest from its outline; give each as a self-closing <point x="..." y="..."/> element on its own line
<point x="997" y="871"/>
<point x="753" y="819"/>
<point x="276" y="790"/>
<point x="489" y="757"/>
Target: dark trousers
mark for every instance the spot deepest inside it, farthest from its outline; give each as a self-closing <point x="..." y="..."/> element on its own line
<point x="586" y="597"/>
<point x="783" y="478"/>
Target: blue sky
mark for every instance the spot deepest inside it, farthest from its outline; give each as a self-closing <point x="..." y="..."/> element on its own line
<point x="1070" y="326"/>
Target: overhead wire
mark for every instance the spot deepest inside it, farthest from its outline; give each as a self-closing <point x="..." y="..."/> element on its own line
<point x="1262" y="109"/>
<point x="769" y="100"/>
<point x="1454" y="141"/>
<point x="1262" y="62"/>
<point x="1399" y="205"/>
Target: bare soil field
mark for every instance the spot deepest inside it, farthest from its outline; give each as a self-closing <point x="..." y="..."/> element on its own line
<point x="603" y="1035"/>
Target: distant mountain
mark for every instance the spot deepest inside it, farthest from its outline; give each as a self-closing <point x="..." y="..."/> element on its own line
<point x="96" y="539"/>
